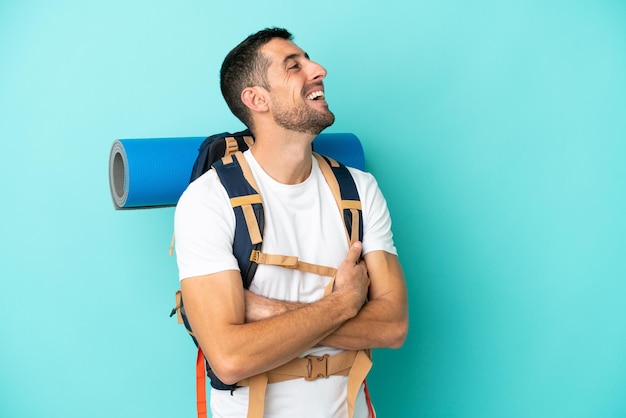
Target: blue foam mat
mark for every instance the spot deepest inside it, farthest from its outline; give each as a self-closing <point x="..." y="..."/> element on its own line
<point x="154" y="172"/>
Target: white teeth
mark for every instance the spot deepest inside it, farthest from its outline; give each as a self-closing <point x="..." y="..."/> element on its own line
<point x="315" y="95"/>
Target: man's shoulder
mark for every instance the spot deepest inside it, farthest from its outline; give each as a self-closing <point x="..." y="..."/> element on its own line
<point x="203" y="191"/>
<point x="365" y="181"/>
<point x="360" y="175"/>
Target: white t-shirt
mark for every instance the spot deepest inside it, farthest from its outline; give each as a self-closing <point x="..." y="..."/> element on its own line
<point x="300" y="220"/>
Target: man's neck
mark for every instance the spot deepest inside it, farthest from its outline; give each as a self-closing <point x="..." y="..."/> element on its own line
<point x="284" y="155"/>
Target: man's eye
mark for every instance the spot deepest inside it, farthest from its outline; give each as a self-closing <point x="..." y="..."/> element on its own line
<point x="293" y="67"/>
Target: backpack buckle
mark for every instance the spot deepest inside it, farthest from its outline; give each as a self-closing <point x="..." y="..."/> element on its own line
<point x="318" y="367"/>
<point x="255" y="256"/>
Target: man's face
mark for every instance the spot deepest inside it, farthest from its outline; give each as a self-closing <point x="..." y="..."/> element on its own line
<point x="296" y="89"/>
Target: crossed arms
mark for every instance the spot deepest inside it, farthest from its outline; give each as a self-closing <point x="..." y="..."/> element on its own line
<point x="243" y="334"/>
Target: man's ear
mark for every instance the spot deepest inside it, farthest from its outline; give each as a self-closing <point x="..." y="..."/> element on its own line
<point x="255" y="98"/>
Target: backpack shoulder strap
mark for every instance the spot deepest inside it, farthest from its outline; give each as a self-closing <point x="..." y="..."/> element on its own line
<point x="236" y="177"/>
<point x="212" y="149"/>
<point x="216" y="146"/>
<point x="346" y="195"/>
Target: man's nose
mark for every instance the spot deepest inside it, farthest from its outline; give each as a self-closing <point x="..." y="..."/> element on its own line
<point x="317" y="72"/>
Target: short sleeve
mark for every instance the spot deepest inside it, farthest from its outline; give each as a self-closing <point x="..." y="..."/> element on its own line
<point x="204" y="225"/>
<point x="377" y="234"/>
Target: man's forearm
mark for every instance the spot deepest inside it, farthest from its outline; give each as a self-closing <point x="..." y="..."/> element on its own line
<point x="259" y="307"/>
<point x="377" y="324"/>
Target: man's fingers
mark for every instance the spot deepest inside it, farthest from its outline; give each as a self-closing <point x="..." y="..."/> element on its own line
<point x="354" y="253"/>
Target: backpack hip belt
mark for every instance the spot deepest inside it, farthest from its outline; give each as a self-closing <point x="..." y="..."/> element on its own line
<point x="354" y="364"/>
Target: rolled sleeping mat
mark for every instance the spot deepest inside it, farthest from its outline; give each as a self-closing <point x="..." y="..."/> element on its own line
<point x="153" y="172"/>
<point x="343" y="147"/>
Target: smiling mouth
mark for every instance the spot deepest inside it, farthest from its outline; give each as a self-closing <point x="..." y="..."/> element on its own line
<point x="316" y="95"/>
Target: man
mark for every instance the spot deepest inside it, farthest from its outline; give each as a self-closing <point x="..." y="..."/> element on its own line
<point x="277" y="91"/>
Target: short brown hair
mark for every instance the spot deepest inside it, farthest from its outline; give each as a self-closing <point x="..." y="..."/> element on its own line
<point x="244" y="67"/>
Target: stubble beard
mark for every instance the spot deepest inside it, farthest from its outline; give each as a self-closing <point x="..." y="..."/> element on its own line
<point x="303" y="119"/>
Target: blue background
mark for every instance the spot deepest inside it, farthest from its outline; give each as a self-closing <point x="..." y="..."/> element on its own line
<point x="497" y="132"/>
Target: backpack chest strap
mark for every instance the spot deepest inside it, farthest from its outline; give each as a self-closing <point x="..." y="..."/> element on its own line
<point x="292" y="262"/>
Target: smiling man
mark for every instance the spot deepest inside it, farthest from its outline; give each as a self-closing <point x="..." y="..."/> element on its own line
<point x="296" y="343"/>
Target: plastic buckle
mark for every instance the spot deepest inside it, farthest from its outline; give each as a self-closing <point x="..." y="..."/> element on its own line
<point x="318" y="367"/>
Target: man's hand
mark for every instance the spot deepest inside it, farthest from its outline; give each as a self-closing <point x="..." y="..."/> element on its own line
<point x="383" y="320"/>
<point x="352" y="277"/>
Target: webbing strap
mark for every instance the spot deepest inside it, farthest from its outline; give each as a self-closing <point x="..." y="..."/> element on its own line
<point x="291" y="262"/>
<point x="330" y="179"/>
<point x="358" y="372"/>
<point x="354" y="232"/>
<point x="256" y="395"/>
<point x="368" y="400"/>
<point x="231" y="145"/>
<point x="178" y="297"/>
<point x="247" y="173"/>
<point x="248" y="140"/>
<point x="352" y="206"/>
<point x="200" y="385"/>
<point x="354" y="364"/>
<point x="329" y="287"/>
<point x="246" y="201"/>
<point x="253" y="225"/>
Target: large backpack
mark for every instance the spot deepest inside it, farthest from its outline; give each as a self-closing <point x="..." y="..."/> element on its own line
<point x="223" y="153"/>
